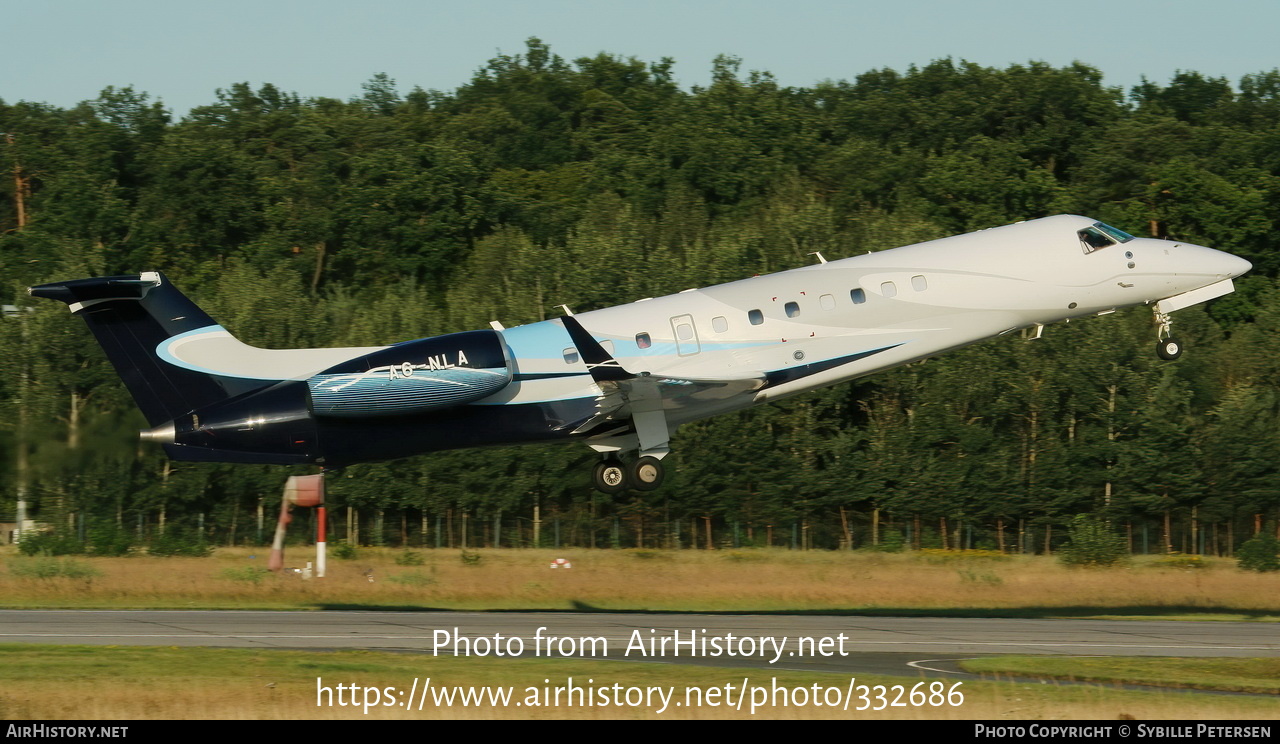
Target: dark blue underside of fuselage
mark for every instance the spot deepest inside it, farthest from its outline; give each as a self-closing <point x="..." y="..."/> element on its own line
<point x="350" y="441"/>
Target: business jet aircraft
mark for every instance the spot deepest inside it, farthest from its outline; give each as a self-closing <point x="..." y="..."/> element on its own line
<point x="621" y="379"/>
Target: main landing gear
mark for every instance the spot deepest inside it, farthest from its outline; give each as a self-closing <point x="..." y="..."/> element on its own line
<point x="1167" y="347"/>
<point x="612" y="476"/>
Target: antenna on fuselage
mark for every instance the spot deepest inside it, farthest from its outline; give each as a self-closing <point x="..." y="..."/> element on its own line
<point x="567" y="311"/>
<point x="821" y="260"/>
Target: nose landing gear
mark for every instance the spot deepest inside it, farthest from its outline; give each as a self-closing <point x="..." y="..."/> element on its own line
<point x="1167" y="347"/>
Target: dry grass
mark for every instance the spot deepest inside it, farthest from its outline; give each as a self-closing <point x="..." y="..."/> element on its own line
<point x="759" y="580"/>
<point x="1260" y="675"/>
<point x="61" y="683"/>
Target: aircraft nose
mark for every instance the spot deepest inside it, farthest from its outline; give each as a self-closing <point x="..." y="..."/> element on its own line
<point x="1234" y="265"/>
<point x="1212" y="262"/>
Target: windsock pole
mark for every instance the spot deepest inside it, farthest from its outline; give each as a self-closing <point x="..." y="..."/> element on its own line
<point x="276" y="561"/>
<point x="300" y="490"/>
<point x="321" y="545"/>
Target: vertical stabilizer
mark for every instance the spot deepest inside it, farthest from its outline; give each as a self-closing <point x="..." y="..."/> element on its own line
<point x="131" y="316"/>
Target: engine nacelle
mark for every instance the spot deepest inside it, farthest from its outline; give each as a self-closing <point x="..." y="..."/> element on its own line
<point x="414" y="377"/>
<point x="272" y="425"/>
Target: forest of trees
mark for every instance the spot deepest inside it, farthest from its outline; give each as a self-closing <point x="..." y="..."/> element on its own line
<point x="392" y="216"/>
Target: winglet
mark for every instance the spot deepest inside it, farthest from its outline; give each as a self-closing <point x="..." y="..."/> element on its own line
<point x="602" y="366"/>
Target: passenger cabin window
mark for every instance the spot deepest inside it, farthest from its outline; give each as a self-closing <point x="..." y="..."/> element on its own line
<point x="607" y="345"/>
<point x="828" y="302"/>
<point x="919" y="283"/>
<point x="570" y="356"/>
<point x="756" y="317"/>
<point x="643" y="341"/>
<point x="720" y="324"/>
<point x="793" y="309"/>
<point x="684" y="331"/>
<point x="858" y="296"/>
<point x="889" y="289"/>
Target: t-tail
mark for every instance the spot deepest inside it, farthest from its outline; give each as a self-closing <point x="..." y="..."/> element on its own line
<point x="139" y="320"/>
<point x="131" y="317"/>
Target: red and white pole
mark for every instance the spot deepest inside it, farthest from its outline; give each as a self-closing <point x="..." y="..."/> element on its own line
<point x="300" y="490"/>
<point x="321" y="532"/>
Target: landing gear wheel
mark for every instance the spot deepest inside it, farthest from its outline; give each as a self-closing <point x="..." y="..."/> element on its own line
<point x="610" y="477"/>
<point x="1169" y="349"/>
<point x="647" y="474"/>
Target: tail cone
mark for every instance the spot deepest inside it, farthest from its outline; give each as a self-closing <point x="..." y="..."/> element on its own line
<point x="163" y="433"/>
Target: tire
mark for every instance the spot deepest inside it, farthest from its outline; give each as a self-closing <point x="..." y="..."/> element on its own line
<point x="610" y="477"/>
<point x="647" y="474"/>
<point x="1169" y="349"/>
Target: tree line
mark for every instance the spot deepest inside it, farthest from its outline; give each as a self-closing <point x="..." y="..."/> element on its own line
<point x="391" y="216"/>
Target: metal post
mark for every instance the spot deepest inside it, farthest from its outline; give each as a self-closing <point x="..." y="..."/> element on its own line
<point x="321" y="541"/>
<point x="23" y="380"/>
<point x="275" y="562"/>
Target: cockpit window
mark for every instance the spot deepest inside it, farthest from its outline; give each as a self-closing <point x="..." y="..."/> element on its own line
<point x="1120" y="236"/>
<point x="1101" y="235"/>
<point x="1094" y="239"/>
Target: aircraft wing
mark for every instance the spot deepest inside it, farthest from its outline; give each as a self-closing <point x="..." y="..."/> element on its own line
<point x="618" y="398"/>
<point x="644" y="397"/>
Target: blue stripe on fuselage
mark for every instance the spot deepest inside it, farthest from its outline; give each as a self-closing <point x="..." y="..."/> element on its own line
<point x="544" y="340"/>
<point x="548" y="339"/>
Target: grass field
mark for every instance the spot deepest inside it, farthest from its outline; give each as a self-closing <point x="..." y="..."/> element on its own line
<point x="1237" y="675"/>
<point x="925" y="582"/>
<point x="49" y="682"/>
<point x="78" y="682"/>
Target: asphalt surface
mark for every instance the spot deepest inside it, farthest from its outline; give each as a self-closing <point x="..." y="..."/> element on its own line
<point x="849" y="645"/>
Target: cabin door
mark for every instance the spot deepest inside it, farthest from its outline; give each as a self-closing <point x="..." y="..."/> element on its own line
<point x="686" y="334"/>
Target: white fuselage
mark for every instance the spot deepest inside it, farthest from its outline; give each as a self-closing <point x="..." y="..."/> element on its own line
<point x="902" y="304"/>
